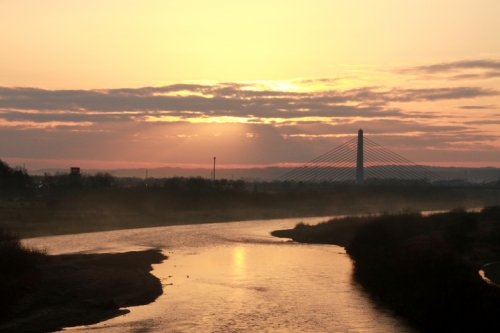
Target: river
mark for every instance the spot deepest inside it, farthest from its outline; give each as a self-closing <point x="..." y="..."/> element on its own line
<point x="235" y="277"/>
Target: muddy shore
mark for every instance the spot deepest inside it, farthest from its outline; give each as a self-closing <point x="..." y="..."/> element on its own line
<point x="83" y="289"/>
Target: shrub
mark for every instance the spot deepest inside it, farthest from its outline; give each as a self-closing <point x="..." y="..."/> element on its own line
<point x="19" y="271"/>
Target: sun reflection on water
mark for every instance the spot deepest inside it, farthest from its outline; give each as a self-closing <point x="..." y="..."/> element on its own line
<point x="239" y="267"/>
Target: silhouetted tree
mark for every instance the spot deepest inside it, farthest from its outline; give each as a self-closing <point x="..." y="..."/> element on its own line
<point x="14" y="181"/>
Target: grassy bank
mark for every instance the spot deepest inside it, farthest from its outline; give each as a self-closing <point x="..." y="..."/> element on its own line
<point x="65" y="209"/>
<point x="42" y="293"/>
<point x="424" y="268"/>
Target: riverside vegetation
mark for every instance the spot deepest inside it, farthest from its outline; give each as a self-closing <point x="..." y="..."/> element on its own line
<point x="65" y="203"/>
<point x="424" y="268"/>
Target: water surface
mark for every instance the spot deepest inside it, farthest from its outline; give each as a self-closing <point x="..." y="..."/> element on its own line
<point x="235" y="277"/>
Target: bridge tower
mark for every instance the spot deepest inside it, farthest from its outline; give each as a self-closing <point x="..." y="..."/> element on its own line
<point x="360" y="177"/>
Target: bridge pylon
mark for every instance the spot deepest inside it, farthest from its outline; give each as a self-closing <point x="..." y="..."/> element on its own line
<point x="355" y="160"/>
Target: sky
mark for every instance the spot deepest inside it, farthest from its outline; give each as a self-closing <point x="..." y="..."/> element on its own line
<point x="119" y="84"/>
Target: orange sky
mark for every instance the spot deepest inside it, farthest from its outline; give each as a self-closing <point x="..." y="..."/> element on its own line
<point x="151" y="83"/>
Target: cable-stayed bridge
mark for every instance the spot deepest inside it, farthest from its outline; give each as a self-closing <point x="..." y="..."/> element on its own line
<point x="358" y="159"/>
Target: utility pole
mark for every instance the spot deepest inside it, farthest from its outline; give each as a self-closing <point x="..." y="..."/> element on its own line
<point x="360" y="177"/>
<point x="213" y="173"/>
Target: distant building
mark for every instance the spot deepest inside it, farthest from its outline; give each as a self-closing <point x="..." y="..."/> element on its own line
<point x="74" y="171"/>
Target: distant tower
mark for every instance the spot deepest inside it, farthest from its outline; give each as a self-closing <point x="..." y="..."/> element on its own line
<point x="360" y="177"/>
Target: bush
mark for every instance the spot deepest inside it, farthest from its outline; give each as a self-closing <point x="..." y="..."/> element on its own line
<point x="19" y="271"/>
<point x="13" y="181"/>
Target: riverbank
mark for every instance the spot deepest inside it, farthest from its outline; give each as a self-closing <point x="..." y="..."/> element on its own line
<point x="64" y="205"/>
<point x="82" y="289"/>
<point x="338" y="231"/>
<point x="491" y="273"/>
<point x="424" y="268"/>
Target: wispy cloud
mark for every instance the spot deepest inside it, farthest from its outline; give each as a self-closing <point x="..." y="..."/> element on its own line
<point x="434" y="94"/>
<point x="488" y="64"/>
<point x="459" y="70"/>
<point x="478" y="107"/>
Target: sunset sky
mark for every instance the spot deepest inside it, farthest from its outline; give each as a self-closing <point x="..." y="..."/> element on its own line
<point x="122" y="83"/>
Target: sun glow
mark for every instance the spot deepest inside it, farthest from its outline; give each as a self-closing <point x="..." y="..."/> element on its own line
<point x="264" y="81"/>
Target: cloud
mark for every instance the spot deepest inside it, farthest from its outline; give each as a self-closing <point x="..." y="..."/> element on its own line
<point x="478" y="107"/>
<point x="433" y="94"/>
<point x="485" y="122"/>
<point x="470" y="76"/>
<point x="488" y="64"/>
<point x="459" y="70"/>
<point x="197" y="101"/>
<point x="187" y="101"/>
<point x="243" y="122"/>
<point x="40" y="117"/>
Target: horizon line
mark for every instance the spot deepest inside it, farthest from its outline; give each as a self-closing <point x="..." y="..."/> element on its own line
<point x="48" y="164"/>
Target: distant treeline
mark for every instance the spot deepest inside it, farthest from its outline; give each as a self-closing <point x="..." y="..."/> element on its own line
<point x="17" y="181"/>
<point x="66" y="203"/>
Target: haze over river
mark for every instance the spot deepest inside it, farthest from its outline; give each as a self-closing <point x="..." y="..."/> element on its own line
<point x="236" y="277"/>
